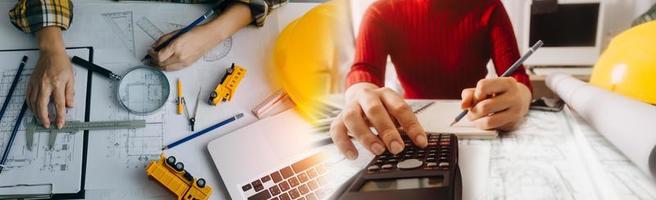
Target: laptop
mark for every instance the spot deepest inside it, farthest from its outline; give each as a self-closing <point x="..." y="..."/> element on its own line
<point x="271" y="159"/>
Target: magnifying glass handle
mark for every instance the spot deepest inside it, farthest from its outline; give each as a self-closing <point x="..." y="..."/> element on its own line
<point x="95" y="68"/>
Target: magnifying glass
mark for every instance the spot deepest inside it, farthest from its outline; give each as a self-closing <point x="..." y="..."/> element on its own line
<point x="142" y="90"/>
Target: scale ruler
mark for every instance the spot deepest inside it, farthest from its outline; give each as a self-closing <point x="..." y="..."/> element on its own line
<point x="77" y="126"/>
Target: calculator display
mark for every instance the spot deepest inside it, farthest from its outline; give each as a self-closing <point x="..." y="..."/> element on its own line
<point x="403" y="184"/>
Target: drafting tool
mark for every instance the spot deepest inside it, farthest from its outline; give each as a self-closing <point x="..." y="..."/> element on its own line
<point x="13" y="136"/>
<point x="21" y="66"/>
<point x="142" y="90"/>
<point x="95" y="68"/>
<point x="149" y="28"/>
<point x="77" y="126"/>
<point x="192" y="118"/>
<point x="180" y="100"/>
<point x="206" y="130"/>
<point x="184" y="30"/>
<point x="121" y="24"/>
<point x="507" y="73"/>
<point x="220" y="51"/>
<point x="177" y="180"/>
<point x="228" y="85"/>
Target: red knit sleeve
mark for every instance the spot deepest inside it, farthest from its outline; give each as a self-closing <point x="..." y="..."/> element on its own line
<point x="370" y="52"/>
<point x="504" y="45"/>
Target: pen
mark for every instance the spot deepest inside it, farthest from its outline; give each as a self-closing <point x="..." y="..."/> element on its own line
<point x="180" y="97"/>
<point x="208" y="14"/>
<point x="507" y="73"/>
<point x="14" y="131"/>
<point x="199" y="133"/>
<point x="21" y="66"/>
<point x="95" y="68"/>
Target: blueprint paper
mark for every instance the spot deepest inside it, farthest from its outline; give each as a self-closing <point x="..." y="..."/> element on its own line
<point x="60" y="166"/>
<point x="126" y="153"/>
<point x="626" y="123"/>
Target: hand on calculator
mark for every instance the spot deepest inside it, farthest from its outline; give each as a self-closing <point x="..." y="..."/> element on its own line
<point x="367" y="106"/>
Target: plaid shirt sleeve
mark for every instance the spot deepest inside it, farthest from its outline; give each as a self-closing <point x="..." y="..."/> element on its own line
<point x="33" y="15"/>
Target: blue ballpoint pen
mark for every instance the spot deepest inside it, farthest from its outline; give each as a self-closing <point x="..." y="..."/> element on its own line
<point x="196" y="22"/>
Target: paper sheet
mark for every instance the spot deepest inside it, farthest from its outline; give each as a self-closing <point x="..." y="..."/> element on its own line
<point x="437" y="117"/>
<point x="626" y="123"/>
<point x="40" y="167"/>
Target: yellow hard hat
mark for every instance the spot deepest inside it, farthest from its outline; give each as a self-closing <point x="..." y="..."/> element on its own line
<point x="305" y="55"/>
<point x="628" y="66"/>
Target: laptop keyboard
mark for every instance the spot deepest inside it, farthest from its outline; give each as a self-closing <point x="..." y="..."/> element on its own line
<point x="302" y="180"/>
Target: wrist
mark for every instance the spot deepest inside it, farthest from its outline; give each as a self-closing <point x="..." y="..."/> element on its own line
<point x="358" y="88"/>
<point x="50" y="40"/>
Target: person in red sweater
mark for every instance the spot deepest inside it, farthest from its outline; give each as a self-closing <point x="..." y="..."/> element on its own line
<point x="439" y="48"/>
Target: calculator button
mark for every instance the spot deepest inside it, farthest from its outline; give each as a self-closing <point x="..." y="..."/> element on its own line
<point x="387" y="166"/>
<point x="443" y="164"/>
<point x="392" y="160"/>
<point x="443" y="158"/>
<point x="431" y="164"/>
<point x="431" y="159"/>
<point x="409" y="164"/>
<point x="373" y="168"/>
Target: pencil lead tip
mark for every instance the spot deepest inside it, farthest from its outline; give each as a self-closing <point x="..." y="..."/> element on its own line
<point x="452" y="123"/>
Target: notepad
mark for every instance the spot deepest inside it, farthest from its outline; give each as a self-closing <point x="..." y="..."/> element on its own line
<point x="437" y="117"/>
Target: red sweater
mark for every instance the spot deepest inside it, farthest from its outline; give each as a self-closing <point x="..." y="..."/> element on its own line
<point x="438" y="47"/>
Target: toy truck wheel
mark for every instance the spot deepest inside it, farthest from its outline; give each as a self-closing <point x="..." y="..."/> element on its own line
<point x="170" y="161"/>
<point x="179" y="166"/>
<point x="201" y="182"/>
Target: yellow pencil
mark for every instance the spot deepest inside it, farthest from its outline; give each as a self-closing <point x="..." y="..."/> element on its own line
<point x="180" y="98"/>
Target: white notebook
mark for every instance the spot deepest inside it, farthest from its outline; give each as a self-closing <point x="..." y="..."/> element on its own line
<point x="437" y="117"/>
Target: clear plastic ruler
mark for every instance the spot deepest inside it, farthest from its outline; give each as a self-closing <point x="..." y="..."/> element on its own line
<point x="216" y="53"/>
<point x="121" y="24"/>
<point x="149" y="28"/>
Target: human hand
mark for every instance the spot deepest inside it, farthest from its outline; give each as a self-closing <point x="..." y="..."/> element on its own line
<point x="368" y="105"/>
<point x="498" y="103"/>
<point x="184" y="50"/>
<point x="52" y="78"/>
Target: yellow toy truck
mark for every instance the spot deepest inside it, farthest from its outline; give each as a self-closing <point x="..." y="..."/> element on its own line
<point x="228" y="85"/>
<point x="177" y="180"/>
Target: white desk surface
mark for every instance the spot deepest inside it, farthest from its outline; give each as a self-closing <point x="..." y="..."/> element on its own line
<point x="551" y="156"/>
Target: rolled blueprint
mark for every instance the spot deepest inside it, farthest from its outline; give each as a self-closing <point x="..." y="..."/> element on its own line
<point x="628" y="124"/>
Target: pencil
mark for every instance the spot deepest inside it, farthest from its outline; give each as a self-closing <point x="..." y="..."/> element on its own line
<point x="21" y="66"/>
<point x="204" y="131"/>
<point x="14" y="131"/>
<point x="507" y="73"/>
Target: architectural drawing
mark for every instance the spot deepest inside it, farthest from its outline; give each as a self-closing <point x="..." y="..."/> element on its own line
<point x="121" y="24"/>
<point x="537" y="162"/>
<point x="57" y="159"/>
<point x="60" y="166"/>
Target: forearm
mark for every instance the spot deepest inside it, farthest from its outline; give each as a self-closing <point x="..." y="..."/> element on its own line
<point x="50" y="40"/>
<point x="231" y="20"/>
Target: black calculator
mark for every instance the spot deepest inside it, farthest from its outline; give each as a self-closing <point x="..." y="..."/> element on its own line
<point x="415" y="173"/>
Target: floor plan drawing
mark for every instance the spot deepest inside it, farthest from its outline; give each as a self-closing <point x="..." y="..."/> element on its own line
<point x="60" y="166"/>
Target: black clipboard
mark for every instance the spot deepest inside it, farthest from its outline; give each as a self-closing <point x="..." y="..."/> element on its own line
<point x="85" y="141"/>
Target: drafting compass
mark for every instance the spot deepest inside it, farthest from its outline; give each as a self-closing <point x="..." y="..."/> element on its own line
<point x="191" y="118"/>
